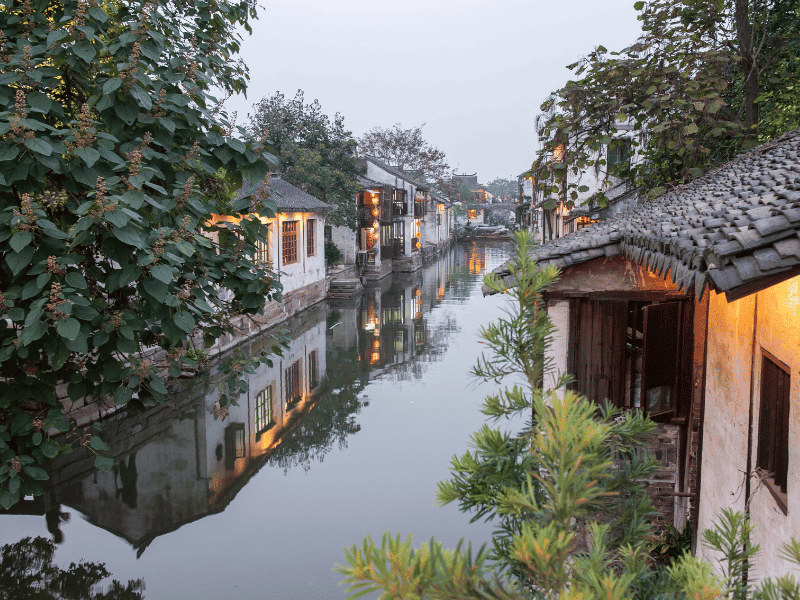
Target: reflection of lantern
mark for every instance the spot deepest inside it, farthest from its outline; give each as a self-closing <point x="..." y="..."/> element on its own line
<point x="419" y="234"/>
<point x="418" y="244"/>
<point x="374" y="198"/>
<point x="376" y="356"/>
<point x="375" y="212"/>
<point x="419" y="292"/>
<point x="376" y="344"/>
<point x="375" y="225"/>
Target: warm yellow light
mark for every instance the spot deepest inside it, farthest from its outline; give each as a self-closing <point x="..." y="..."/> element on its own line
<point x="376" y="344"/>
<point x="375" y="225"/>
<point x="375" y="212"/>
<point x="374" y="198"/>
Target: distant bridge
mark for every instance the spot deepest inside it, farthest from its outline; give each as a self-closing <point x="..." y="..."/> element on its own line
<point x="512" y="206"/>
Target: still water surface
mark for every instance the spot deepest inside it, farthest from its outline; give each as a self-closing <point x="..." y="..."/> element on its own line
<point x="346" y="435"/>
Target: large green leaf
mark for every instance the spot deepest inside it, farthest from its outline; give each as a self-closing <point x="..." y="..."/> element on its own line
<point x="163" y="273"/>
<point x="184" y="320"/>
<point x="19" y="240"/>
<point x="68" y="328"/>
<point x="85" y="50"/>
<point x="39" y="145"/>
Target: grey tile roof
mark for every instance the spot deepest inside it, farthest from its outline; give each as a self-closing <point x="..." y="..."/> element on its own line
<point x="368" y="184"/>
<point x="288" y="197"/>
<point x="734" y="228"/>
<point x="398" y="173"/>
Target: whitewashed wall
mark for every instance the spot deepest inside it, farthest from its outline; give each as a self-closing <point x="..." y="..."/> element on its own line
<point x="737" y="333"/>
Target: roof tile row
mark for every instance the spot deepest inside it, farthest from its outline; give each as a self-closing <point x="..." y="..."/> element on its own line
<point x="734" y="226"/>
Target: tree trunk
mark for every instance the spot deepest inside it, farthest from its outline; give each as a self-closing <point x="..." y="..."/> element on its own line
<point x="749" y="68"/>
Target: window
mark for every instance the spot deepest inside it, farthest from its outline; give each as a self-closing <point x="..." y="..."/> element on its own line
<point x="773" y="424"/>
<point x="262" y="253"/>
<point x="234" y="444"/>
<point x="291" y="378"/>
<point x="313" y="370"/>
<point x="618" y="153"/>
<point x="311" y="241"/>
<point x="636" y="354"/>
<point x="263" y="416"/>
<point x="289" y="242"/>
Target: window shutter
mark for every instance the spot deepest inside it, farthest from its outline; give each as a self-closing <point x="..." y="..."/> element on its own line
<point x="660" y="356"/>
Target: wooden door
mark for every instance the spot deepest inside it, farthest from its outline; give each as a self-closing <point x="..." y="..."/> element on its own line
<point x="597" y="348"/>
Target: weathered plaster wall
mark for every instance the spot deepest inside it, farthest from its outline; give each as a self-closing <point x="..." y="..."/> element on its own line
<point x="615" y="273"/>
<point x="737" y="333"/>
<point x="345" y="240"/>
<point x="558" y="311"/>
<point x="727" y="401"/>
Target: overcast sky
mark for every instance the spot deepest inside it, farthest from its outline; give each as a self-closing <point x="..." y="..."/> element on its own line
<point x="474" y="71"/>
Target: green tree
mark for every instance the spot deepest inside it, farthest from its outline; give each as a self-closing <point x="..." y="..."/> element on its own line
<point x="110" y="148"/>
<point x="314" y="153"/>
<point x="500" y="186"/>
<point x="689" y="87"/>
<point x="408" y="149"/>
<point x="27" y="572"/>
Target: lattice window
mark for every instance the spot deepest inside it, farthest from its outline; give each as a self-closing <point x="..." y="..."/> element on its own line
<point x="311" y="240"/>
<point x="263" y="403"/>
<point x="289" y="242"/>
<point x="773" y="422"/>
<point x="262" y="253"/>
<point x="313" y="369"/>
<point x="291" y="376"/>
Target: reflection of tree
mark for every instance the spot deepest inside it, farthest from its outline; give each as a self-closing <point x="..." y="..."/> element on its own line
<point x="27" y="572"/>
<point x="331" y="420"/>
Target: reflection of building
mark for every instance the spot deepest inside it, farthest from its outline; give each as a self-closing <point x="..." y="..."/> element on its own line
<point x="393" y="333"/>
<point x="189" y="457"/>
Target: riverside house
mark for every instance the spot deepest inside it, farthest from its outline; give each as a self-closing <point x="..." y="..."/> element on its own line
<point x="688" y="307"/>
<point x="400" y="222"/>
<point x="296" y="253"/>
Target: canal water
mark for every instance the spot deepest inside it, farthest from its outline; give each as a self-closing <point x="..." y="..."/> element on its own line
<point x="346" y="434"/>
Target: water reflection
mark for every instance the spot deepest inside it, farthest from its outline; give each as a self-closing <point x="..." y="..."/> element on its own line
<point x="28" y="573"/>
<point x="183" y="460"/>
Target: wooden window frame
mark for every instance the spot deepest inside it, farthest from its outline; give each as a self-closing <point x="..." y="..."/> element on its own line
<point x="263" y="410"/>
<point x="311" y="241"/>
<point x="313" y="369"/>
<point x="597" y="366"/>
<point x="293" y="388"/>
<point x="290" y="254"/>
<point x="262" y="252"/>
<point x="772" y="450"/>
